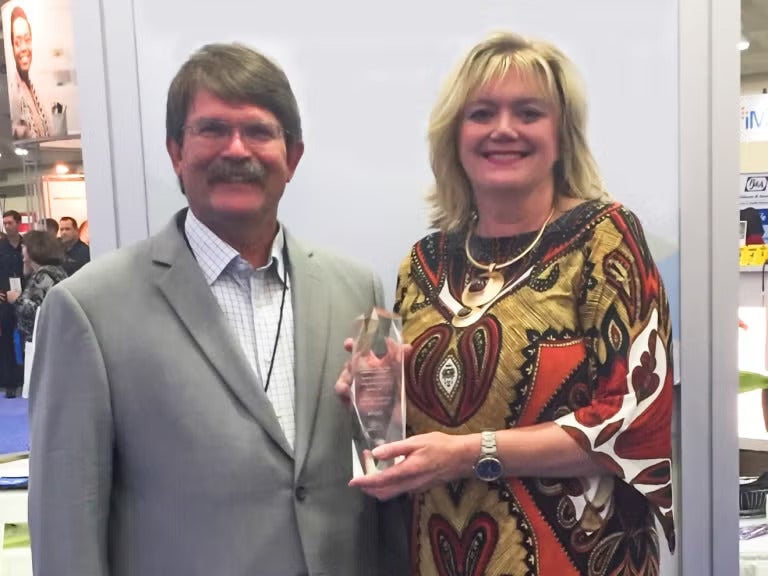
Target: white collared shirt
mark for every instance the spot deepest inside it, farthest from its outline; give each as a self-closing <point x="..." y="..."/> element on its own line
<point x="250" y="299"/>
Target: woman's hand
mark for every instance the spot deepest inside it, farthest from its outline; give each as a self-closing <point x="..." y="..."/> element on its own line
<point x="12" y="296"/>
<point x="429" y="460"/>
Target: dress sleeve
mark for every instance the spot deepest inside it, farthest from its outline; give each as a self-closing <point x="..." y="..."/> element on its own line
<point x="624" y="315"/>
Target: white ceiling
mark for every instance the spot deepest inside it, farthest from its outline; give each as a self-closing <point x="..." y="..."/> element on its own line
<point x="754" y="25"/>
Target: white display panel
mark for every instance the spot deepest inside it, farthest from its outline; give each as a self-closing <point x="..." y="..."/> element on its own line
<point x="366" y="81"/>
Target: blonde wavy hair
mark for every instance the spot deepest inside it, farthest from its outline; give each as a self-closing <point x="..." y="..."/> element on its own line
<point x="576" y="173"/>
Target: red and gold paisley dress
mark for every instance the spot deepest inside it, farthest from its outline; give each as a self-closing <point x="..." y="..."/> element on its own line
<point x="581" y="337"/>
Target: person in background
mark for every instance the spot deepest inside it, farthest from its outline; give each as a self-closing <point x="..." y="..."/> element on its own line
<point x="77" y="253"/>
<point x="550" y="454"/>
<point x="11" y="272"/>
<point x="52" y="227"/>
<point x="85" y="234"/>
<point x="196" y="433"/>
<point x="28" y="117"/>
<point x="42" y="256"/>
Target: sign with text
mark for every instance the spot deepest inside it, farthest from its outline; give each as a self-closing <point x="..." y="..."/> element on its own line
<point x="753" y="209"/>
<point x="754" y="118"/>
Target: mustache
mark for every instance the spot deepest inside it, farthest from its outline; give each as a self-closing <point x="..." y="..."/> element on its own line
<point x="250" y="171"/>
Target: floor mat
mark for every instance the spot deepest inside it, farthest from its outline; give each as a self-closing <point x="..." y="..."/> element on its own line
<point x="14" y="425"/>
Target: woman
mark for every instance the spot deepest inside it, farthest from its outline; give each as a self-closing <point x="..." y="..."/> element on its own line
<point x="550" y="453"/>
<point x="28" y="116"/>
<point x="42" y="255"/>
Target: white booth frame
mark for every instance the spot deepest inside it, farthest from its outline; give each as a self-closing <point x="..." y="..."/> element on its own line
<point x="708" y="64"/>
<point x="709" y="270"/>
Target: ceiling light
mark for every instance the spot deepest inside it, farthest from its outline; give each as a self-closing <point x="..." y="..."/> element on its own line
<point x="61" y="169"/>
<point x="743" y="43"/>
<point x="20" y="151"/>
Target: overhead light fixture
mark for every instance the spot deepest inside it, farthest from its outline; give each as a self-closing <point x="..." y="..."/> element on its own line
<point x="61" y="169"/>
<point x="743" y="43"/>
<point x="20" y="151"/>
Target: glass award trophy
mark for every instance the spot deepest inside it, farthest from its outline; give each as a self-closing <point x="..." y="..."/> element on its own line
<point x="378" y="389"/>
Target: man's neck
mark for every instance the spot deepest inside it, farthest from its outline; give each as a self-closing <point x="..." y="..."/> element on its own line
<point x="70" y="244"/>
<point x="252" y="240"/>
<point x="24" y="77"/>
<point x="14" y="240"/>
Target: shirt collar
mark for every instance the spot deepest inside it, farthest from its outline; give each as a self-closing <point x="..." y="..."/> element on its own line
<point x="214" y="255"/>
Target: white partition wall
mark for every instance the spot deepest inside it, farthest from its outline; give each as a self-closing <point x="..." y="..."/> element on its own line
<point x="365" y="85"/>
<point x="366" y="75"/>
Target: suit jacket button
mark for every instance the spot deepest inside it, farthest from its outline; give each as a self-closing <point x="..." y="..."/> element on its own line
<point x="301" y="493"/>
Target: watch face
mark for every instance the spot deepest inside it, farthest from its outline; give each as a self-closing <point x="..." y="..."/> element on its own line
<point x="488" y="469"/>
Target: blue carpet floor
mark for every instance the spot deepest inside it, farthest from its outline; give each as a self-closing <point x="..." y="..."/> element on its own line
<point x="14" y="426"/>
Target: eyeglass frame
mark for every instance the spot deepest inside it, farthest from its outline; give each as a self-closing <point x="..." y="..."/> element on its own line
<point x="195" y="130"/>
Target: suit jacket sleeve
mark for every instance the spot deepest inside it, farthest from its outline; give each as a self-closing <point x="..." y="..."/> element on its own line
<point x="71" y="444"/>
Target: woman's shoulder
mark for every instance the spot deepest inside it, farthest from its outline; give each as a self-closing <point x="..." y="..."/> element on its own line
<point x="47" y="273"/>
<point x="597" y="214"/>
<point x="431" y="251"/>
<point x="436" y="241"/>
<point x="623" y="220"/>
<point x="611" y="226"/>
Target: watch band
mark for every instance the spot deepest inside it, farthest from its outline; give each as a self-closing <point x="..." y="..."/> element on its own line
<point x="488" y="467"/>
<point x="488" y="443"/>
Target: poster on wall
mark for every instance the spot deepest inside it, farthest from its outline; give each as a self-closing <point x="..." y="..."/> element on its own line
<point x="39" y="53"/>
<point x="754" y="118"/>
<point x="753" y="218"/>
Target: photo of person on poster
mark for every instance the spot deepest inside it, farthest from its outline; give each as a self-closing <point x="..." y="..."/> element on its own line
<point x="28" y="116"/>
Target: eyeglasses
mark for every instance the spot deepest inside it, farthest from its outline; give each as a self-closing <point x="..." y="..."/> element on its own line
<point x="219" y="132"/>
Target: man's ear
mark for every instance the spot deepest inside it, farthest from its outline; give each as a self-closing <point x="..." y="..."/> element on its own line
<point x="294" y="152"/>
<point x="174" y="151"/>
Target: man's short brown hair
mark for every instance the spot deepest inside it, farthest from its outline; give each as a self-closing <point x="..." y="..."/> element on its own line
<point x="234" y="73"/>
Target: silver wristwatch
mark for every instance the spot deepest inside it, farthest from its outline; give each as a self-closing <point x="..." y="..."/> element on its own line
<point x="488" y="466"/>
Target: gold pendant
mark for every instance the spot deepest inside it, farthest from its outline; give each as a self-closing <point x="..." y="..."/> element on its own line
<point x="466" y="317"/>
<point x="482" y="289"/>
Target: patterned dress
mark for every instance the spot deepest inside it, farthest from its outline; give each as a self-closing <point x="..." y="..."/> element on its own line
<point x="27" y="112"/>
<point x="579" y="336"/>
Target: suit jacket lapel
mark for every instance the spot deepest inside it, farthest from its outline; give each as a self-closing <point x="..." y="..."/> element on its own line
<point x="311" y="315"/>
<point x="182" y="283"/>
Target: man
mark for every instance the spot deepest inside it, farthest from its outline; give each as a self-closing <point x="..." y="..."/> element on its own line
<point x="11" y="261"/>
<point x="28" y="118"/>
<point x="52" y="227"/>
<point x="11" y="271"/>
<point x="198" y="432"/>
<point x="77" y="253"/>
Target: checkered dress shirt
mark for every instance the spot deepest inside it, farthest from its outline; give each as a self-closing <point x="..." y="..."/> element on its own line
<point x="250" y="299"/>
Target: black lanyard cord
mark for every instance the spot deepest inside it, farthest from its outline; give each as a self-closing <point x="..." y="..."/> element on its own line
<point x="277" y="336"/>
